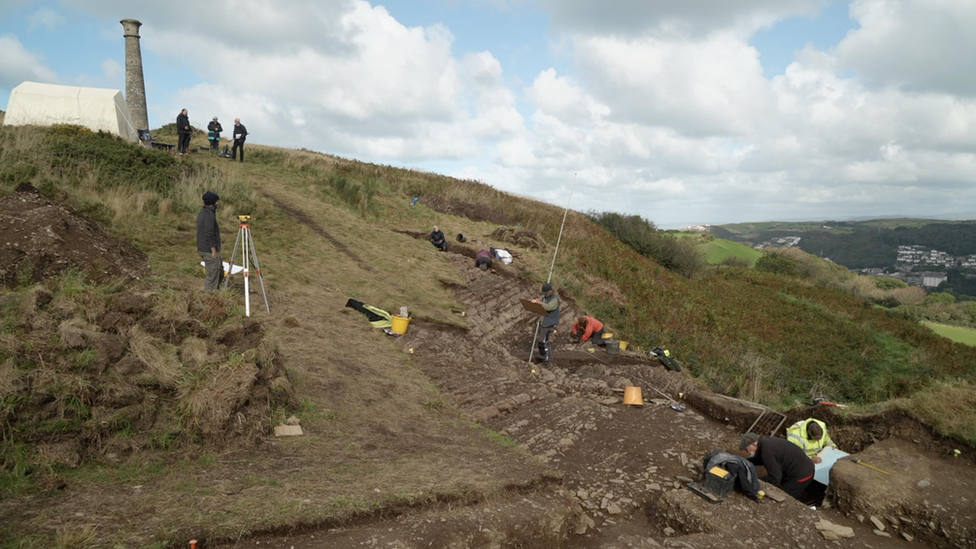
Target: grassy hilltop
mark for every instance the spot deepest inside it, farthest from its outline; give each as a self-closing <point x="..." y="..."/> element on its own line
<point x="327" y="229"/>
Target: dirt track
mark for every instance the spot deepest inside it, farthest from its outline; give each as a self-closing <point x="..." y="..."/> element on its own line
<point x="623" y="468"/>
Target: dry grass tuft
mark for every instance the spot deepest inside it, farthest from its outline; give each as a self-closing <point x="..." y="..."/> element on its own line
<point x="211" y="400"/>
<point x="171" y="305"/>
<point x="76" y="537"/>
<point x="160" y="357"/>
<point x="266" y="354"/>
<point x="75" y="333"/>
<point x="212" y="310"/>
<point x="193" y="352"/>
<point x="10" y="382"/>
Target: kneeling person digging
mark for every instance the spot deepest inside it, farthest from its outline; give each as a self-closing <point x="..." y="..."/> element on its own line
<point x="787" y="466"/>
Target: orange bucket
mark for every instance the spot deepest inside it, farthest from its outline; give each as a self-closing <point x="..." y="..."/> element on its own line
<point x="632" y="396"/>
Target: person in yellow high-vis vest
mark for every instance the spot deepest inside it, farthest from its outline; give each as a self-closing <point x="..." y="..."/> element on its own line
<point x="811" y="436"/>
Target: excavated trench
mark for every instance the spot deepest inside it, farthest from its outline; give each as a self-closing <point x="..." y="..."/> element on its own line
<point x="623" y="470"/>
<point x="627" y="466"/>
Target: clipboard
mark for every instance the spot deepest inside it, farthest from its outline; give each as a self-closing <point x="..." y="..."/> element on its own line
<point x="536" y="308"/>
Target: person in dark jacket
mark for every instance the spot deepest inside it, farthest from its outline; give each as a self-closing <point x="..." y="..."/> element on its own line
<point x="208" y="241"/>
<point x="214" y="128"/>
<point x="183" y="131"/>
<point x="437" y="239"/>
<point x="240" y="136"/>
<point x="787" y="466"/>
<point x="482" y="260"/>
<point x="549" y="302"/>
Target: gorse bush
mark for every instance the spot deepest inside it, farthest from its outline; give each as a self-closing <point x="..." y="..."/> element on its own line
<point x="117" y="163"/>
<point x="778" y="263"/>
<point x="640" y="234"/>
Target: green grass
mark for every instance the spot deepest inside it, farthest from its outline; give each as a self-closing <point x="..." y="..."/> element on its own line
<point x="958" y="334"/>
<point x="719" y="249"/>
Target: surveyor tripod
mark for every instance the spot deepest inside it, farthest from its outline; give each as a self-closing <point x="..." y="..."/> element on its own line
<point x="250" y="256"/>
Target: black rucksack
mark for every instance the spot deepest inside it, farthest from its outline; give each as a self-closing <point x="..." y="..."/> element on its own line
<point x="664" y="357"/>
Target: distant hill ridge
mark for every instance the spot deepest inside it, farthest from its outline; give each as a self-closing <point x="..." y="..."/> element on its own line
<point x="861" y="244"/>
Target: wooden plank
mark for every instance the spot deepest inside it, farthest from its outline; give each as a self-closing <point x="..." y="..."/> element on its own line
<point x="536" y="308"/>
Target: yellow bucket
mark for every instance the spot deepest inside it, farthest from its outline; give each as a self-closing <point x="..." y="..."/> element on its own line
<point x="400" y="324"/>
<point x="632" y="396"/>
<point x="623" y="345"/>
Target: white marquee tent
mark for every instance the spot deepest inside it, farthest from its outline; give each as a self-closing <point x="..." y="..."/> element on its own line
<point x="37" y="104"/>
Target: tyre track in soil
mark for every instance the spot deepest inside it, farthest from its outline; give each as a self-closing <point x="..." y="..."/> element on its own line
<point x="316" y="227"/>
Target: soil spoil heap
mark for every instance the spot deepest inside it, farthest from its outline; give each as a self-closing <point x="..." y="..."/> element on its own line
<point x="42" y="238"/>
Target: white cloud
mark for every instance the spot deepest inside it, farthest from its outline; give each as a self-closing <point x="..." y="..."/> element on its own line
<point x="916" y="45"/>
<point x="17" y="64"/>
<point x="713" y="85"/>
<point x="563" y="99"/>
<point x="686" y="17"/>
<point x="45" y="18"/>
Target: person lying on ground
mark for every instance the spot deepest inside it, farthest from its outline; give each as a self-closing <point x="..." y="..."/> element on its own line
<point x="587" y="327"/>
<point x="437" y="239"/>
<point x="811" y="437"/>
<point x="482" y="260"/>
<point x="786" y="465"/>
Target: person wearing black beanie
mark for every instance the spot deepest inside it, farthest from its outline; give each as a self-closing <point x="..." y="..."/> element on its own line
<point x="208" y="241"/>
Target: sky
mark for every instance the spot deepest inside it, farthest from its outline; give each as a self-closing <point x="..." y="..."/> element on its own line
<point x="692" y="112"/>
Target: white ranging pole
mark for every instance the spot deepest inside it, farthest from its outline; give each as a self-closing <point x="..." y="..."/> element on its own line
<point x="247" y="267"/>
<point x="552" y="266"/>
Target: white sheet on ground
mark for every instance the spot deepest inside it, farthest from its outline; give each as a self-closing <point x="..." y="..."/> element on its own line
<point x="829" y="456"/>
<point x="503" y="255"/>
<point x="237" y="268"/>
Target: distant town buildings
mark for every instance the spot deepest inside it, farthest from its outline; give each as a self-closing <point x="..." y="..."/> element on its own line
<point x="782" y="242"/>
<point x="913" y="259"/>
<point x="920" y="255"/>
<point x="927" y="279"/>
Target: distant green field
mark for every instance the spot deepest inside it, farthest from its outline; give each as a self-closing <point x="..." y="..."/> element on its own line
<point x="904" y="222"/>
<point x="751" y="228"/>
<point x="717" y="250"/>
<point x="955" y="333"/>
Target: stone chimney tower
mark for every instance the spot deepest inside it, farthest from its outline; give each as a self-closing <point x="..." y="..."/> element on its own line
<point x="135" y="85"/>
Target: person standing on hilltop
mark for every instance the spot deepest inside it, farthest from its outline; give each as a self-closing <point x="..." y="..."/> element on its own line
<point x="183" y="131"/>
<point x="240" y="136"/>
<point x="214" y="128"/>
<point x="208" y="241"/>
<point x="549" y="302"/>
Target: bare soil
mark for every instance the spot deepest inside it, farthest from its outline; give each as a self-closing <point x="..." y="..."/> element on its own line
<point x="41" y="238"/>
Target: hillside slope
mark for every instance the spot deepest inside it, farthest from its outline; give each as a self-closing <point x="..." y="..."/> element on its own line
<point x="387" y="429"/>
